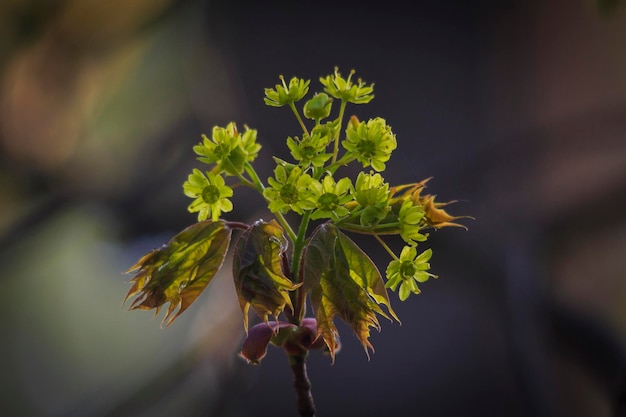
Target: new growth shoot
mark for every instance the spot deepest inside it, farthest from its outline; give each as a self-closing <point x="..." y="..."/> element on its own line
<point x="278" y="267"/>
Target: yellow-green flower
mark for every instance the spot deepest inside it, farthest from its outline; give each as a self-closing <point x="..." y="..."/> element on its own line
<point x="372" y="193"/>
<point x="371" y="142"/>
<point x="310" y="150"/>
<point x="408" y="270"/>
<point x="210" y="193"/>
<point x="344" y="89"/>
<point x="283" y="94"/>
<point x="411" y="218"/>
<point x="228" y="148"/>
<point x="331" y="197"/>
<point x="371" y="189"/>
<point x="289" y="190"/>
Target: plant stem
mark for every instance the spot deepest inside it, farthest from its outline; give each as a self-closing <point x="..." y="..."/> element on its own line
<point x="260" y="187"/>
<point x="345" y="160"/>
<point x="384" y="245"/>
<point x="342" y="109"/>
<point x="306" y="407"/>
<point x="237" y="225"/>
<point x="302" y="125"/>
<point x="296" y="261"/>
<point x="381" y="229"/>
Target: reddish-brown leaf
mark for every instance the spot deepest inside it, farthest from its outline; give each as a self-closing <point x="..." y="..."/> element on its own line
<point x="258" y="271"/>
<point x="177" y="272"/>
<point x="343" y="281"/>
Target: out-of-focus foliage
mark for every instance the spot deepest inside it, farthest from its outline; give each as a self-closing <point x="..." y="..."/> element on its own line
<point x="94" y="98"/>
<point x="608" y="7"/>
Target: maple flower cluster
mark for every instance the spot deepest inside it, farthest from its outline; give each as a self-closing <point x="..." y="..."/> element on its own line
<point x="278" y="269"/>
<point x="309" y="186"/>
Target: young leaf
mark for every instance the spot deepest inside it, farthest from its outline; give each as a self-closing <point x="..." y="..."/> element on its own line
<point x="258" y="271"/>
<point x="180" y="270"/>
<point x="343" y="281"/>
<point x="255" y="345"/>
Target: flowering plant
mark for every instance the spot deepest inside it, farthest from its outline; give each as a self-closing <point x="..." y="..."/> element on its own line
<point x="278" y="269"/>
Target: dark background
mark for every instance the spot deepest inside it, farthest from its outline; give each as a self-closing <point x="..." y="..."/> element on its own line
<point x="517" y="109"/>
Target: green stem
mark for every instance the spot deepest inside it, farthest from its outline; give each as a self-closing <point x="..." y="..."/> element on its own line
<point x="384" y="229"/>
<point x="296" y="261"/>
<point x="244" y="180"/>
<point x="342" y="109"/>
<point x="387" y="248"/>
<point x="247" y="183"/>
<point x="345" y="160"/>
<point x="295" y="111"/>
<point x="260" y="188"/>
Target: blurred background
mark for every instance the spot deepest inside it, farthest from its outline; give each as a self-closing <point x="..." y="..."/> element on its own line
<point x="517" y="109"/>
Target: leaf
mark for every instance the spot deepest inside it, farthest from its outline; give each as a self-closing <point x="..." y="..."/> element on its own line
<point x="343" y="281"/>
<point x="180" y="270"/>
<point x="258" y="271"/>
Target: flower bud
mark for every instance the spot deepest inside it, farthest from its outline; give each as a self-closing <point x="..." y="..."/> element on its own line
<point x="318" y="107"/>
<point x="259" y="336"/>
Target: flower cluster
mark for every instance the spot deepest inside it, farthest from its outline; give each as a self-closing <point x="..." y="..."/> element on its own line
<point x="229" y="149"/>
<point x="276" y="269"/>
<point x="308" y="186"/>
<point x="230" y="152"/>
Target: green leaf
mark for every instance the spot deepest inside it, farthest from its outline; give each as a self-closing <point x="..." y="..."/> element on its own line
<point x="258" y="272"/>
<point x="180" y="270"/>
<point x="343" y="281"/>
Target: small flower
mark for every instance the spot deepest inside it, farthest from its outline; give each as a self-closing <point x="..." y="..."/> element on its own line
<point x="210" y="193"/>
<point x="408" y="270"/>
<point x="288" y="190"/>
<point x="228" y="149"/>
<point x="371" y="143"/>
<point x="283" y="94"/>
<point x="410" y="218"/>
<point x="372" y="193"/>
<point x="331" y="197"/>
<point x="371" y="189"/>
<point x="344" y="89"/>
<point x="310" y="150"/>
